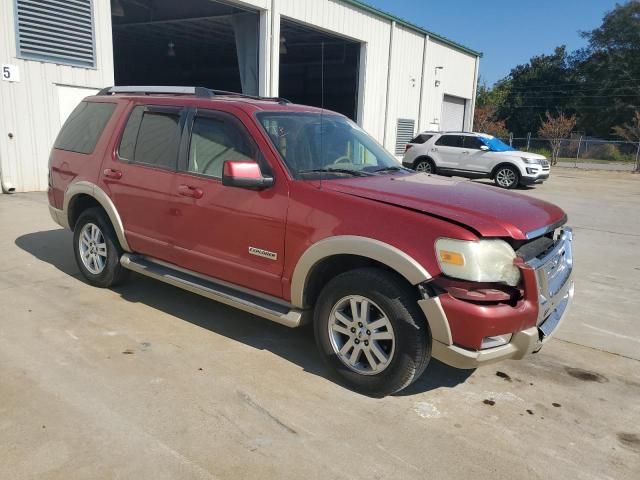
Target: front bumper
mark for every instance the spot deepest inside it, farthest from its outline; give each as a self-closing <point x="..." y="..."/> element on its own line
<point x="549" y="288"/>
<point x="524" y="180"/>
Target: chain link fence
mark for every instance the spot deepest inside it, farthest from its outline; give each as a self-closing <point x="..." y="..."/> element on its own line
<point x="584" y="151"/>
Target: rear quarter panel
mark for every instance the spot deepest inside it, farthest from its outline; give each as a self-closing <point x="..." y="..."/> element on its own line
<point x="67" y="167"/>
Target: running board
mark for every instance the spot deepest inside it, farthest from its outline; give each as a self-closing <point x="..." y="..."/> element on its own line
<point x="258" y="304"/>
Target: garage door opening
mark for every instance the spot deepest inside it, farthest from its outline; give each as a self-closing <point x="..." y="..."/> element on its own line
<point x="453" y="114"/>
<point x="301" y="68"/>
<point x="191" y="42"/>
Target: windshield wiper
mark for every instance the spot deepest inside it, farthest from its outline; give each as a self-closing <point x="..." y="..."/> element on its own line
<point x="391" y="169"/>
<point x="355" y="173"/>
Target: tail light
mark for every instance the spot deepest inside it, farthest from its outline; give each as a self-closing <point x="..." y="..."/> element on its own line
<point x="407" y="147"/>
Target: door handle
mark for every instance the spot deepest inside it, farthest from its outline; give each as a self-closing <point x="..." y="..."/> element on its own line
<point x="189" y="191"/>
<point x="114" y="174"/>
<point x="434" y="149"/>
<point x="465" y="153"/>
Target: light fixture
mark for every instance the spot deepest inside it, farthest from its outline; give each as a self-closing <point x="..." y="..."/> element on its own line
<point x="117" y="9"/>
<point x="283" y="46"/>
<point x="171" y="52"/>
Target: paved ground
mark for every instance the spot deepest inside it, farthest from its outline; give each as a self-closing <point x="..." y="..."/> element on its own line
<point x="613" y="166"/>
<point x="148" y="381"/>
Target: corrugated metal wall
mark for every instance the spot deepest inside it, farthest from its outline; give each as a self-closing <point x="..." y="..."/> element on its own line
<point x="457" y="78"/>
<point x="405" y="80"/>
<point x="29" y="109"/>
<point x="396" y="84"/>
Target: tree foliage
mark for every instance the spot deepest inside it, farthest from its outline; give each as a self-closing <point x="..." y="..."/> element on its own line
<point x="631" y="133"/>
<point x="555" y="129"/>
<point x="485" y="121"/>
<point x="599" y="84"/>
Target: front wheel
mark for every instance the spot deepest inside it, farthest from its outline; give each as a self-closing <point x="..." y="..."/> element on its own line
<point x="370" y="330"/>
<point x="507" y="177"/>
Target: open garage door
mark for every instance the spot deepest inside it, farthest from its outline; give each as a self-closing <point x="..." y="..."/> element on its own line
<point x="453" y="110"/>
<point x="301" y="68"/>
<point x="188" y="42"/>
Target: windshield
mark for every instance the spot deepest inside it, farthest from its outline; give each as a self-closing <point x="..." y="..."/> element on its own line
<point x="496" y="145"/>
<point x="330" y="146"/>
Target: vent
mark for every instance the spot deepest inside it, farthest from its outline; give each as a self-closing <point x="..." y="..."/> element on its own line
<point x="56" y="31"/>
<point x="404" y="134"/>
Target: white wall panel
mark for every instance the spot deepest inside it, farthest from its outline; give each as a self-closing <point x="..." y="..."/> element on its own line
<point x="456" y="78"/>
<point x="30" y="109"/>
<point x="405" y="80"/>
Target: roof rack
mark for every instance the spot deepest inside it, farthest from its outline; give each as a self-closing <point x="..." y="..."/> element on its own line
<point x="201" y="92"/>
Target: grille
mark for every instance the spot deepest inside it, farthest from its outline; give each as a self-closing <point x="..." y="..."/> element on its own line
<point x="553" y="271"/>
<point x="56" y="31"/>
<point x="404" y="134"/>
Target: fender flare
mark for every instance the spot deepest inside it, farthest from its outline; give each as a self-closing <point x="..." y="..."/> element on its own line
<point x="103" y="199"/>
<point x="382" y="252"/>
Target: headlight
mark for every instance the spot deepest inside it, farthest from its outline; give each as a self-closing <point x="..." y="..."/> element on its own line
<point x="479" y="261"/>
<point x="530" y="161"/>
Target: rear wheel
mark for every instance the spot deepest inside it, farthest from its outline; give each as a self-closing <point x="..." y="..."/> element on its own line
<point x="97" y="249"/>
<point x="426" y="166"/>
<point x="369" y="329"/>
<point x="507" y="177"/>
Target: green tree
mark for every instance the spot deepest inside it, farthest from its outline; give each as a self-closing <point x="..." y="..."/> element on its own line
<point x="610" y="71"/>
<point x="535" y="87"/>
<point x="600" y="83"/>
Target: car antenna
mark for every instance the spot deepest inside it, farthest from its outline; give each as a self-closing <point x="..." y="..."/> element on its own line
<point x="321" y="111"/>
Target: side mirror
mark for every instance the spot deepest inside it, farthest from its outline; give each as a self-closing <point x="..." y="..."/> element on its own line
<point x="244" y="174"/>
<point x="484" y="148"/>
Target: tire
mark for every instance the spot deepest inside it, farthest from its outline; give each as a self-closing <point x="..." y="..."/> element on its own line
<point x="425" y="166"/>
<point x="407" y="352"/>
<point x="507" y="177"/>
<point x="95" y="240"/>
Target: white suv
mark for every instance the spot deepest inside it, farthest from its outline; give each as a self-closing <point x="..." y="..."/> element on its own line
<point x="475" y="155"/>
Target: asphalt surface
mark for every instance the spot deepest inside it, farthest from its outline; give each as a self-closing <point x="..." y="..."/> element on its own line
<point x="613" y="166"/>
<point x="147" y="381"/>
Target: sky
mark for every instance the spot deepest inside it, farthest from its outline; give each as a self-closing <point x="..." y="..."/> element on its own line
<point x="507" y="32"/>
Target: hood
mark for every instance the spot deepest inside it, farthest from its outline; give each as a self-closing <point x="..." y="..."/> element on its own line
<point x="520" y="154"/>
<point x="487" y="210"/>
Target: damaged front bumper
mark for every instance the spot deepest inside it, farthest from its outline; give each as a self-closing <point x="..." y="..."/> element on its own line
<point x="548" y="291"/>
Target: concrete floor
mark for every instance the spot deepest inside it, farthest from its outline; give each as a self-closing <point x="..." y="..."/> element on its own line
<point x="147" y="381"/>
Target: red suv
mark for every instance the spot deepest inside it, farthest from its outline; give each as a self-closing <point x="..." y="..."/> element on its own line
<point x="295" y="214"/>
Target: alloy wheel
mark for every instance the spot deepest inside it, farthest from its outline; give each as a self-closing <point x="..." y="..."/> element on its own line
<point x="361" y="335"/>
<point x="93" y="248"/>
<point x="424" y="167"/>
<point x="506" y="177"/>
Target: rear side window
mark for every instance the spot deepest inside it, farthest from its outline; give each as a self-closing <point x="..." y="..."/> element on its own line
<point x="83" y="128"/>
<point x="128" y="142"/>
<point x="450" y="141"/>
<point x="422" y="138"/>
<point x="151" y="137"/>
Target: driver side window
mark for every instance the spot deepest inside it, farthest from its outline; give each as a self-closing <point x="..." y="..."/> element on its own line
<point x="473" y="143"/>
<point x="214" y="141"/>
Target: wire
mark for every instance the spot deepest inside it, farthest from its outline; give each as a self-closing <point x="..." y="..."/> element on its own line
<point x="577" y="84"/>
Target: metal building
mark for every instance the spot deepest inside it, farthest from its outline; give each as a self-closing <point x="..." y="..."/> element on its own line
<point x="390" y="76"/>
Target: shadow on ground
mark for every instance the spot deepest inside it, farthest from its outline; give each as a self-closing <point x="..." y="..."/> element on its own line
<point x="295" y="345"/>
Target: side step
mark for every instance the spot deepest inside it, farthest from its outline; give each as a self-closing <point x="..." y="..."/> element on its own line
<point x="258" y="304"/>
